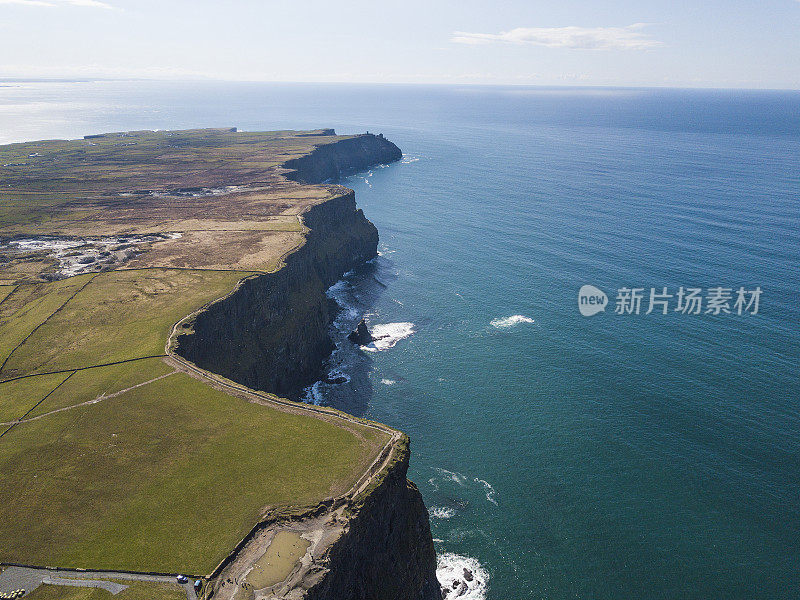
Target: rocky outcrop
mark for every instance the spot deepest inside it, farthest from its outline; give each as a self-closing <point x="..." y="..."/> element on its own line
<point x="360" y="335"/>
<point x="386" y="551"/>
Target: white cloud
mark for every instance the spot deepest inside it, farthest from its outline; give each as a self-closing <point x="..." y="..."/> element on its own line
<point x="588" y="38"/>
<point x="55" y="3"/>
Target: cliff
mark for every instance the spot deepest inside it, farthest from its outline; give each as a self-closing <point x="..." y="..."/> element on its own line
<point x="386" y="550"/>
<point x="328" y="162"/>
<point x="272" y="334"/>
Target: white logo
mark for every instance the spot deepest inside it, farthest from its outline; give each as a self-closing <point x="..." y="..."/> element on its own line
<point x="686" y="300"/>
<point x="591" y="300"/>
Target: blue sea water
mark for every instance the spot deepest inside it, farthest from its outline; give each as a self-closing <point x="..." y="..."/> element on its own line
<point x="561" y="456"/>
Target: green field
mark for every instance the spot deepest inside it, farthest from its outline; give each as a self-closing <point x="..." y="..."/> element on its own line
<point x="117" y="315"/>
<point x="166" y="477"/>
<point x="28" y="306"/>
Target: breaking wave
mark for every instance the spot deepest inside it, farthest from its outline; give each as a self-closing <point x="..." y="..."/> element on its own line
<point x="386" y="335"/>
<point x="441" y="512"/>
<point x="313" y="394"/>
<point x="463" y="481"/>
<point x="506" y="322"/>
<point x="453" y="570"/>
<point x="490" y="493"/>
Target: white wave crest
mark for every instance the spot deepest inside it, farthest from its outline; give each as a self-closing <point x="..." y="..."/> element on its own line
<point x="490" y="493"/>
<point x="465" y="482"/>
<point x="386" y="335"/>
<point x="337" y="289"/>
<point x="453" y="570"/>
<point x="505" y="322"/>
<point x="441" y="512"/>
<point x="388" y="381"/>
<point x="341" y="292"/>
<point x="339" y="374"/>
<point x="453" y="476"/>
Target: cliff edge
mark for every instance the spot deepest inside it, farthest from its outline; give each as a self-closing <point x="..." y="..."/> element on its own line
<point x="386" y="548"/>
<point x="272" y="334"/>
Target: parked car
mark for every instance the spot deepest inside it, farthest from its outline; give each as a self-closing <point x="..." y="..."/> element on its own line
<point x="198" y="583"/>
<point x="182" y="579"/>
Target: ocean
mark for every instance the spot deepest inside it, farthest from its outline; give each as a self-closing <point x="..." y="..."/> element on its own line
<point x="612" y="456"/>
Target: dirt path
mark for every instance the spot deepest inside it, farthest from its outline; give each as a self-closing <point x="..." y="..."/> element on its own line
<point x="99" y="398"/>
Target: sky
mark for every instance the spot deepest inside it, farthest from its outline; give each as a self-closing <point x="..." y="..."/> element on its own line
<point x="714" y="43"/>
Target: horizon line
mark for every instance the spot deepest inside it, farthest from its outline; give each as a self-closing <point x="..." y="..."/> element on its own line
<point x="90" y="79"/>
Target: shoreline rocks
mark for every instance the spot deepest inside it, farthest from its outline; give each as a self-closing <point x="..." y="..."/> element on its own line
<point x="361" y="335"/>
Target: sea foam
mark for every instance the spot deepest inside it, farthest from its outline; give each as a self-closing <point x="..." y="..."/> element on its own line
<point x="441" y="512"/>
<point x="450" y="569"/>
<point x="386" y="335"/>
<point x="506" y="322"/>
<point x="490" y="493"/>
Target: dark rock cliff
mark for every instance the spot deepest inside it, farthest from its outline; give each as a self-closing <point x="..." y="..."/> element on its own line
<point x="272" y="333"/>
<point x="386" y="552"/>
<point x="330" y="161"/>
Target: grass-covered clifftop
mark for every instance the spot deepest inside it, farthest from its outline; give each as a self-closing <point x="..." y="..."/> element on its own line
<point x="115" y="455"/>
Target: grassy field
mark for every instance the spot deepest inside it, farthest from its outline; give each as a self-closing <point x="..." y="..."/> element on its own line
<point x="20" y="396"/>
<point x="28" y="306"/>
<point x="136" y="590"/>
<point x="134" y="465"/>
<point x="95" y="382"/>
<point x="118" y="315"/>
<point x="166" y="477"/>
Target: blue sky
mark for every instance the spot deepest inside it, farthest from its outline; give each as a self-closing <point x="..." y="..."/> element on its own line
<point x="735" y="43"/>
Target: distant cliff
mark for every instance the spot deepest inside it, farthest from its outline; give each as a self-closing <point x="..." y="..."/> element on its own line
<point x="272" y="334"/>
<point x="331" y="161"/>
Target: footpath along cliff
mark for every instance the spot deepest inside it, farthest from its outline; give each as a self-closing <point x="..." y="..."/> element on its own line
<point x="271" y="334"/>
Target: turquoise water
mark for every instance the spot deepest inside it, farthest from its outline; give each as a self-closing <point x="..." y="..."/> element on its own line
<point x="614" y="456"/>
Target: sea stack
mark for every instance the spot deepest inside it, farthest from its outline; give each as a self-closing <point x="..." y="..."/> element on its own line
<point x="360" y="335"/>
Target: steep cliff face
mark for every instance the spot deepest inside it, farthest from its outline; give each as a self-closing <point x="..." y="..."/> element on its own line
<point x="386" y="551"/>
<point x="272" y="333"/>
<point x="329" y="162"/>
